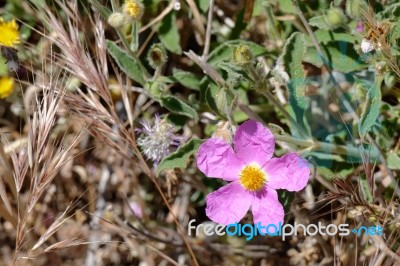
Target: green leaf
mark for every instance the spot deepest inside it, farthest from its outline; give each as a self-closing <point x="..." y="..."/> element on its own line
<point x="341" y="57"/>
<point x="169" y="35"/>
<point x="372" y="105"/>
<point x="365" y="189"/>
<point x="187" y="79"/>
<point x="203" y="5"/>
<point x="292" y="58"/>
<point x="180" y="158"/>
<point x="320" y="22"/>
<point x="177" y="106"/>
<point x="286" y="6"/>
<point x="224" y="53"/>
<point x="395" y="32"/>
<point x="286" y="198"/>
<point x="210" y="95"/>
<point x="325" y="36"/>
<point x="103" y="10"/>
<point x="127" y="63"/>
<point x="393" y="160"/>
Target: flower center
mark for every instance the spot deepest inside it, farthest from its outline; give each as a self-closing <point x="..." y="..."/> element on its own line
<point x="252" y="177"/>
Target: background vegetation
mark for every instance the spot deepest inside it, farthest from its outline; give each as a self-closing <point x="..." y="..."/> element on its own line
<point x="111" y="102"/>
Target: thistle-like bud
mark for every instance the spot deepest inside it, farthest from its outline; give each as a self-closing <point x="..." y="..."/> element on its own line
<point x="335" y="17"/>
<point x="134" y="9"/>
<point x="242" y="55"/>
<point x="354" y="8"/>
<point x="157" y="56"/>
<point x="156" y="139"/>
<point x="117" y="20"/>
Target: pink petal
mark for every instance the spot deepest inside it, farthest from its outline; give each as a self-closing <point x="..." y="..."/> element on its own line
<point x="228" y="204"/>
<point x="254" y="143"/>
<point x="266" y="208"/>
<point x="289" y="172"/>
<point x="216" y="158"/>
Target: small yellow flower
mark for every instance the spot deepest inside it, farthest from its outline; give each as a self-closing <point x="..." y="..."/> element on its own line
<point x="6" y="87"/>
<point x="133" y="9"/>
<point x="9" y="36"/>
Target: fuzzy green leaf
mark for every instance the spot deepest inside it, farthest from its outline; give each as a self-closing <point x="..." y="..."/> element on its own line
<point x="177" y="106"/>
<point x="103" y="10"/>
<point x="393" y="160"/>
<point x="292" y="56"/>
<point x="224" y="53"/>
<point x="372" y="106"/>
<point x="127" y="63"/>
<point x="365" y="189"/>
<point x="187" y="79"/>
<point x="326" y="36"/>
<point x="341" y="57"/>
<point x="180" y="158"/>
<point x="169" y="35"/>
<point x="320" y="22"/>
<point x="203" y="5"/>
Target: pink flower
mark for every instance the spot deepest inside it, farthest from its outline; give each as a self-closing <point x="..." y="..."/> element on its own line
<point x="255" y="175"/>
<point x="360" y="27"/>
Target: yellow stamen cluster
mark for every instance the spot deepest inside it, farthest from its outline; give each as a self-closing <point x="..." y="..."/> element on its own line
<point x="6" y="87"/>
<point x="134" y="9"/>
<point x="252" y="177"/>
<point x="9" y="34"/>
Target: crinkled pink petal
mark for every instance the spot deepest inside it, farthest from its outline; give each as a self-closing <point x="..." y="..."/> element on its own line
<point x="266" y="207"/>
<point x="289" y="172"/>
<point x="228" y="204"/>
<point x="216" y="158"/>
<point x="254" y="143"/>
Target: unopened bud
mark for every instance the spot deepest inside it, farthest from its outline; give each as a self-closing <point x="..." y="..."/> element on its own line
<point x="242" y="55"/>
<point x="155" y="89"/>
<point x="116" y="20"/>
<point x="335" y="17"/>
<point x="157" y="56"/>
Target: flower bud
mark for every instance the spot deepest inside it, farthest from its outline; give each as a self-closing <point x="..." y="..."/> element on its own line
<point x="242" y="55"/>
<point x="335" y="17"/>
<point x="155" y="89"/>
<point x="116" y="20"/>
<point x="157" y="56"/>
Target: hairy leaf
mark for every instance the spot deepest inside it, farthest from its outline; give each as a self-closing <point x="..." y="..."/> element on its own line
<point x="177" y="106"/>
<point x="180" y="158"/>
<point x="127" y="63"/>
